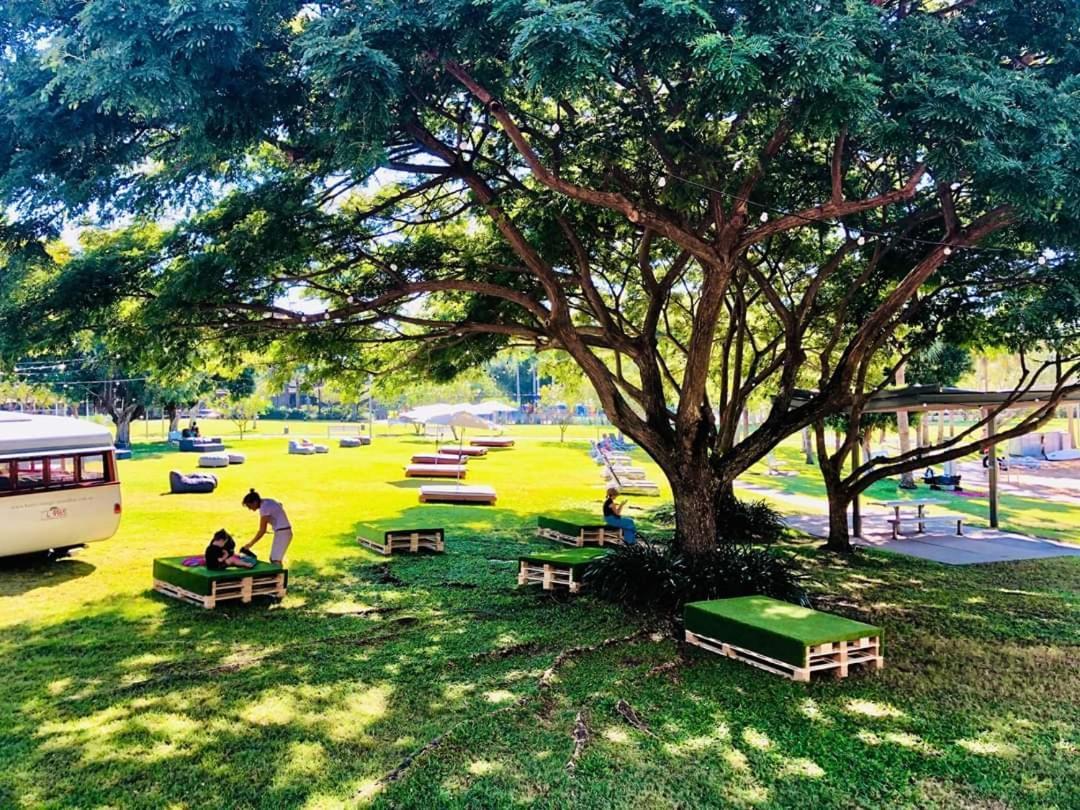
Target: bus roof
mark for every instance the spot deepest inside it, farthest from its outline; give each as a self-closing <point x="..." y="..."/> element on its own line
<point x="24" y="434"/>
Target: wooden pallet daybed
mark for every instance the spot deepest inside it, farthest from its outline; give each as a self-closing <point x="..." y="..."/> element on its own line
<point x="412" y="540"/>
<point x="782" y="638"/>
<point x="437" y="493"/>
<point x="439" y="458"/>
<point x="494" y="441"/>
<point x="574" y="534"/>
<point x="435" y="471"/>
<point x="557" y="569"/>
<point x="463" y="451"/>
<point x="206" y="588"/>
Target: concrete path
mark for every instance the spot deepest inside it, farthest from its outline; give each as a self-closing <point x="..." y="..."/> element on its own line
<point x="977" y="546"/>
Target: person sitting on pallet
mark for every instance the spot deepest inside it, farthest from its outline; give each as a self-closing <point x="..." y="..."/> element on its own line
<point x="613" y="517"/>
<point x="221" y="553"/>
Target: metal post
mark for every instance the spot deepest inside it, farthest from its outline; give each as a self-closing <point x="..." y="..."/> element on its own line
<point x="993" y="468"/>
<point x="371" y="406"/>
<point x="856" y="511"/>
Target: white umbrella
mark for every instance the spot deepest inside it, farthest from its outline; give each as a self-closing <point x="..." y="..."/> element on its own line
<point x="492" y="406"/>
<point x="460" y="419"/>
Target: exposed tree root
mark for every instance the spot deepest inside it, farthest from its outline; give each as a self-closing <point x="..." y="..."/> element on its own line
<point x="580" y="736"/>
<point x="574" y="652"/>
<point x="631" y="717"/>
<point x="506" y="652"/>
<point x="544" y="685"/>
<point x="669" y="668"/>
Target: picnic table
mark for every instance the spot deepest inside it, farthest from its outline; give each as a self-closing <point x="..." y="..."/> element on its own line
<point x="920" y="518"/>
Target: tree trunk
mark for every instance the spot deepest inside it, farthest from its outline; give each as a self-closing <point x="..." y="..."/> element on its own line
<point x="808" y="446"/>
<point x="173" y="413"/>
<point x="696" y="492"/>
<point x="839" y="538"/>
<point x="123" y="419"/>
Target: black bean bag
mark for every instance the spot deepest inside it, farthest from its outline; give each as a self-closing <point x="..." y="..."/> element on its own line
<point x="180" y="484"/>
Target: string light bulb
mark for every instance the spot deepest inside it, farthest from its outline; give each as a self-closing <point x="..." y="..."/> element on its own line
<point x="1042" y="261"/>
<point x="948" y="251"/>
<point x="662" y="181"/>
<point x="350" y="298"/>
<point x="764" y="216"/>
<point x="861" y="240"/>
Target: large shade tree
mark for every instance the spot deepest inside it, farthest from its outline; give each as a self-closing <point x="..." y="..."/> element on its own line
<point x="696" y="201"/>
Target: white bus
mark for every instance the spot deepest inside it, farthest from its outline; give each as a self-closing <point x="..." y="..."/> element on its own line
<point x="58" y="484"/>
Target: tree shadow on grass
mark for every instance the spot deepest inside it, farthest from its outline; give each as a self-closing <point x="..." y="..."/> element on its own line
<point x="149" y="450"/>
<point x="150" y="702"/>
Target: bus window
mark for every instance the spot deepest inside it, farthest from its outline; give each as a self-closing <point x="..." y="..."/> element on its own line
<point x="29" y="473"/>
<point x="5" y="476"/>
<point x="93" y="468"/>
<point x="61" y="471"/>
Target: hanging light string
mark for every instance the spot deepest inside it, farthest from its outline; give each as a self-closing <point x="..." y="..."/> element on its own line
<point x="766" y="210"/>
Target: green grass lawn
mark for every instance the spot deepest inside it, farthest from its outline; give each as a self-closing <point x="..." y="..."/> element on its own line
<point x="435" y="682"/>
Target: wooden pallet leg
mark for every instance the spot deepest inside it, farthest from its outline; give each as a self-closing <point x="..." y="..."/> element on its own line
<point x="522" y="579"/>
<point x="842" y="670"/>
<point x="549" y="578"/>
<point x="879" y="659"/>
<point x="245" y="589"/>
<point x="414" y="542"/>
<point x="801" y="675"/>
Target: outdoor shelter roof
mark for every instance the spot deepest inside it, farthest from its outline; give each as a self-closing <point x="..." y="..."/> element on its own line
<point x="940" y="398"/>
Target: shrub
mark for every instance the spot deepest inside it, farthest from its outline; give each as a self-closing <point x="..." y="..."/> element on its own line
<point x="648" y="575"/>
<point x="736" y="521"/>
<point x="748" y="522"/>
<point x="663" y="515"/>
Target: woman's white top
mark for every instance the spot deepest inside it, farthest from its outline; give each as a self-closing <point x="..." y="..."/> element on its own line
<point x="275" y="513"/>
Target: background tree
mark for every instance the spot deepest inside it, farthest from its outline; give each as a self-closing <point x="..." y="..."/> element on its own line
<point x="692" y="200"/>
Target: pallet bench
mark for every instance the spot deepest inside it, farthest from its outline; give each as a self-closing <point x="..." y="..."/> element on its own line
<point x="435" y="471"/>
<point x="557" y="569"/>
<point x="411" y="540"/>
<point x="438" y="458"/>
<point x="573" y="534"/>
<point x="782" y="638"/>
<point x="492" y="442"/>
<point x="435" y="493"/>
<point x="463" y="451"/>
<point x="945" y="523"/>
<point x="205" y="588"/>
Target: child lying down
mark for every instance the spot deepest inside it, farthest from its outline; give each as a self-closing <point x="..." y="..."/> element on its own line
<point x="220" y="554"/>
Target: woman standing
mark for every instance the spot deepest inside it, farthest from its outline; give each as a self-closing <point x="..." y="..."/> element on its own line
<point x="273" y="517"/>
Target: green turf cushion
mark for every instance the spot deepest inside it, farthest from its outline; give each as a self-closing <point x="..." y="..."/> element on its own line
<point x="564" y="527"/>
<point x="576" y="559"/>
<point x="768" y="626"/>
<point x="198" y="578"/>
